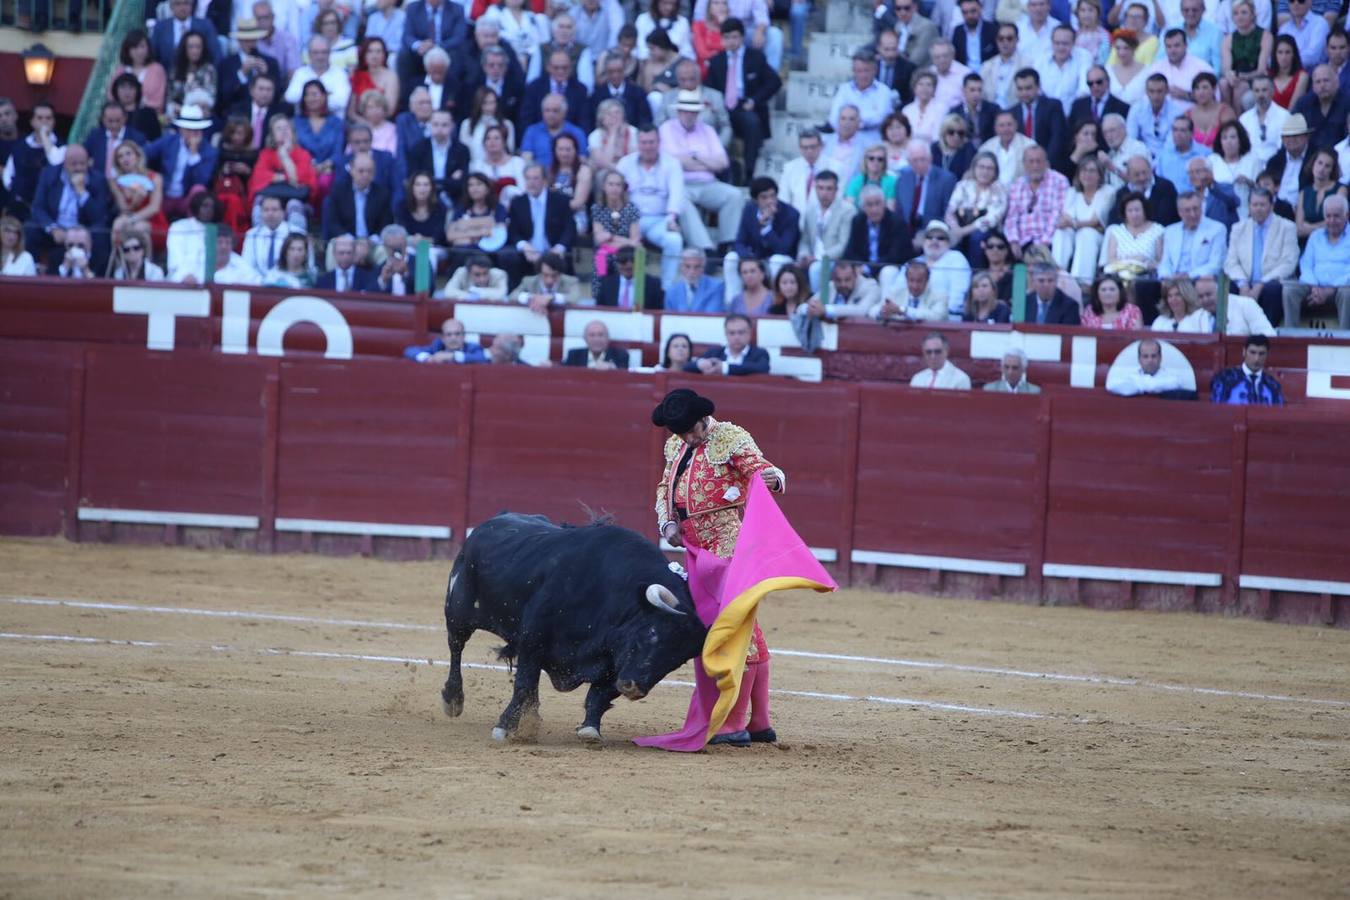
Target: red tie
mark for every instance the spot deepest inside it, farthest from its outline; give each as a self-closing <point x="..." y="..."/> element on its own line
<point x="1031" y="124"/>
<point x="916" y="214"/>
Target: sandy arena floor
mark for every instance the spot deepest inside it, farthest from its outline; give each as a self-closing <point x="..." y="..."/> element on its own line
<point x="241" y="755"/>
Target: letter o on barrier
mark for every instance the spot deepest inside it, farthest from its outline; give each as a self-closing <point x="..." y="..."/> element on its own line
<point x="314" y="310"/>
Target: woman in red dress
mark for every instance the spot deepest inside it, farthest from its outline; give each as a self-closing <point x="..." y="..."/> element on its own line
<point x="285" y="169"/>
<point x="139" y="194"/>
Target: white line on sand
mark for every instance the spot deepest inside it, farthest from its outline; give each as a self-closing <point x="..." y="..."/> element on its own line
<point x="370" y="657"/>
<point x="932" y="665"/>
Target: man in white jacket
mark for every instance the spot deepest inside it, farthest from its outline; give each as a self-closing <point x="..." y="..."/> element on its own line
<point x="938" y="373"/>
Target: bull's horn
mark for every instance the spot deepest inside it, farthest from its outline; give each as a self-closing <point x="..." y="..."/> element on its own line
<point x="660" y="596"/>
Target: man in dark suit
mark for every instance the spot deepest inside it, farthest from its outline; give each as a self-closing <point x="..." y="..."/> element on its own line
<point x="922" y="192"/>
<point x="768" y="228"/>
<point x="442" y="155"/>
<point x="235" y="73"/>
<point x="893" y="69"/>
<point x="748" y="86"/>
<point x="427" y="24"/>
<point x="1324" y="109"/>
<point x="112" y="131"/>
<point x="357" y="205"/>
<point x="559" y="78"/>
<point x="1098" y="103"/>
<point x="538" y="221"/>
<point x="169" y="32"/>
<point x="737" y="357"/>
<point x="617" y="288"/>
<point x="414" y="123"/>
<point x="259" y="106"/>
<point x="1039" y="118"/>
<point x="598" y="352"/>
<point x="498" y="73"/>
<point x="637" y="111"/>
<point x="346" y="274"/>
<point x="978" y="112"/>
<point x="443" y="79"/>
<point x="69" y="195"/>
<point x="390" y="171"/>
<point x="878" y="236"/>
<point x="974" y="37"/>
<point x="1160" y="193"/>
<point x="1047" y="304"/>
<point x="199" y="168"/>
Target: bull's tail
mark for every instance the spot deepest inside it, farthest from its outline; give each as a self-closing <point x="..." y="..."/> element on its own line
<point x="507" y="653"/>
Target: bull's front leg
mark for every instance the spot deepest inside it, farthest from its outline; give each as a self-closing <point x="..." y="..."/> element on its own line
<point x="524" y="699"/>
<point x="599" y="699"/>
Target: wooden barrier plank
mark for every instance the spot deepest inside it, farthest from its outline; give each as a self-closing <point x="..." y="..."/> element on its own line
<point x="37" y="428"/>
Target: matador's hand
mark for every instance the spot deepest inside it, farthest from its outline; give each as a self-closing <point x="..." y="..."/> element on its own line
<point x="771" y="480"/>
<point x="672" y="535"/>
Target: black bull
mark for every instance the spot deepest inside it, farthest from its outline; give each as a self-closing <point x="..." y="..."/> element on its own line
<point x="596" y="605"/>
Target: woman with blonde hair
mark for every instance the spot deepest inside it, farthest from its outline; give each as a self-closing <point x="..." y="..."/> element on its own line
<point x="342" y="53"/>
<point x="286" y="170"/>
<point x="131" y="257"/>
<point x="1180" y="310"/>
<point x="1245" y="52"/>
<point x="1078" y="238"/>
<point x="615" y="222"/>
<point x="873" y="171"/>
<point x="138" y="192"/>
<point x="14" y="259"/>
<point x="373" y="109"/>
<point x="953" y="150"/>
<point x="983" y="304"/>
<point x="613" y="138"/>
<point x="1092" y="37"/>
<point x="977" y="206"/>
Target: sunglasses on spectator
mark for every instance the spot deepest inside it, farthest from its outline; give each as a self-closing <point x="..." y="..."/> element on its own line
<point x="994" y="245"/>
<point x="876" y="159"/>
<point x="958" y="132"/>
<point x="1093" y="82"/>
<point x="939" y="237"/>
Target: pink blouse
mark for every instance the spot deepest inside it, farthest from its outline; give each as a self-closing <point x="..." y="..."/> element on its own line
<point x="1128" y="319"/>
<point x="154" y="84"/>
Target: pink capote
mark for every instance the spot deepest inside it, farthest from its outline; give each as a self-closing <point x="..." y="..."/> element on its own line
<point x="769" y="557"/>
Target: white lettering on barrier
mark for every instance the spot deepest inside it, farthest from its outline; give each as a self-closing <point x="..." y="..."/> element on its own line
<point x="1324" y="362"/>
<point x="234" y="322"/>
<point x="162" y="306"/>
<point x="314" y="310"/>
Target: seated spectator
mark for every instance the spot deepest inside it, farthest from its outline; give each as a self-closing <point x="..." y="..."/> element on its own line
<point x="983" y="305"/>
<point x="372" y="73"/>
<point x="1195" y="245"/>
<point x="826" y="226"/>
<point x="1326" y="182"/>
<point x="753" y="297"/>
<point x="126" y="93"/>
<point x="1209" y="112"/>
<point x="873" y="100"/>
<point x="1086" y="143"/>
<point x="135" y="59"/>
<point x="1035" y="202"/>
<point x="1218" y="202"/>
<point x="257" y="107"/>
<point x="1150" y="378"/>
<point x="874" y="171"/>
<point x="388" y="170"/>
<point x="1180" y="150"/>
<point x="572" y="177"/>
<point x="679" y="348"/>
<point x="737" y="357"/>
<point x="239" y="72"/>
<point x="1078" y="235"/>
<point x="1107" y="308"/>
<point x="790" y="291"/>
<point x="414" y="123"/>
<point x="1135" y="247"/>
<point x="878" y="238"/>
<point x="1160" y="193"/>
<point x="76" y="260"/>
<point x="230" y="266"/>
<point x="131" y="259"/>
<point x="1323" y="107"/>
<point x="476" y="280"/>
<point x="665" y="15"/>
<point x="852" y="295"/>
<point x="917" y="302"/>
<point x="938" y="373"/>
<point x="616" y="222"/>
<point x="373" y="110"/>
<point x="844" y="149"/>
<point x="977" y="206"/>
<point x="998" y="263"/>
<point x="922" y="193"/>
<point x="613" y="138"/>
<point x="67" y="196"/>
<point x="706" y="33"/>
<point x="618" y="288"/>
<point x="321" y="133"/>
<point x="358" y="205"/>
<point x="598" y="352"/>
<point x="616" y="86"/>
<point x="1244" y="314"/>
<point x="15" y="261"/>
<point x="702" y="158"/>
<point x="331" y="24"/>
<point x="1008" y="147"/>
<point x="953" y="150"/>
<point x="769" y="231"/>
<point x="1275" y="239"/>
<point x="105" y="139"/>
<point x="186" y="243"/>
<point x="478" y="225"/>
<point x="537" y="142"/>
<point x="292" y="269"/>
<point x="1047" y="304"/>
<point x="505" y="172"/>
<point x="450" y="347"/>
<point x="185" y="158"/>
<point x="193" y="72"/>
<point x="539" y="221"/>
<point x="1264" y="121"/>
<point x="385" y="22"/>
<point x="264" y="243"/>
<point x="423" y="214"/>
<point x="948" y="270"/>
<point x="444" y="159"/>
<point x="748" y="90"/>
<point x="278" y="43"/>
<point x="505" y="350"/>
<point x="895" y="137"/>
<point x="1014" y="380"/>
<point x="1063" y="280"/>
<point x="975" y="112"/>
<point x="1324" y="269"/>
<point x="714" y="113"/>
<point x="1248" y="384"/>
<point x="318" y="68"/>
<point x="347" y="276"/>
<point x="396" y="273"/>
<point x="895" y="70"/>
<point x="171" y="30"/>
<point x="552" y="286"/>
<point x="695" y="290"/>
<point x="138" y="194"/>
<point x="285" y="170"/>
<point x="485" y="112"/>
<point x="1119" y="150"/>
<point x="560" y="82"/>
<point x="40" y="149"/>
<point x="1180" y="309"/>
<point x="1245" y="50"/>
<point x="926" y="111"/>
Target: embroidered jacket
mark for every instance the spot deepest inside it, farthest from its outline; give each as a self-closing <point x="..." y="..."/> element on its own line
<point x="715" y="478"/>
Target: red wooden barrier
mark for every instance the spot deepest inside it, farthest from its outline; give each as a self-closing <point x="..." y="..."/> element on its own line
<point x="40" y="398"/>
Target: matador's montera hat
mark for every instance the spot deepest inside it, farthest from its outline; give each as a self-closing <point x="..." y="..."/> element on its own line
<point x="681" y="410"/>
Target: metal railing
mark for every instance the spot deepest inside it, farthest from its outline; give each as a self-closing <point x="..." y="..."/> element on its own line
<point x="77" y="16"/>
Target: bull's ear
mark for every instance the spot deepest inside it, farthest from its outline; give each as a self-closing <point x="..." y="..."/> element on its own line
<point x="659" y="595"/>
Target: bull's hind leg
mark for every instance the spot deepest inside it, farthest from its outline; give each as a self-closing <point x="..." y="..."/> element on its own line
<point x="599" y="700"/>
<point x="524" y="699"/>
<point x="458" y="629"/>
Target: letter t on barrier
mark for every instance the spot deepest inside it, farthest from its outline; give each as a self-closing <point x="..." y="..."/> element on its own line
<point x="163" y="306"/>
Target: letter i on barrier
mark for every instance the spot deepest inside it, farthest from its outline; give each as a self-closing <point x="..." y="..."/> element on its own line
<point x="639" y="278"/>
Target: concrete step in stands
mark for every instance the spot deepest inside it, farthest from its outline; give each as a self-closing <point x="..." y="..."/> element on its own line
<point x="810" y="96"/>
<point x="831" y="55"/>
<point x="842" y="16"/>
<point x="786" y="128"/>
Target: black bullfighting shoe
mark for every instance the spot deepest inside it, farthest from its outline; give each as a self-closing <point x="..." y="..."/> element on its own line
<point x="733" y="739"/>
<point x="767" y="736"/>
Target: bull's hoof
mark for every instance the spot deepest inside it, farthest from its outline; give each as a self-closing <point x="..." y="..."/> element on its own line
<point x="499" y="734"/>
<point x="452" y="708"/>
<point x="589" y="733"/>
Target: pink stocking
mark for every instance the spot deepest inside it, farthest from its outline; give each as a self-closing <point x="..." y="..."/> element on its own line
<point x="759" y="696"/>
<point x="736" y="719"/>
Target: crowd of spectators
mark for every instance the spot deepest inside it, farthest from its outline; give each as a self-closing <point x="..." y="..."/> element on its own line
<point x="1121" y="150"/>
